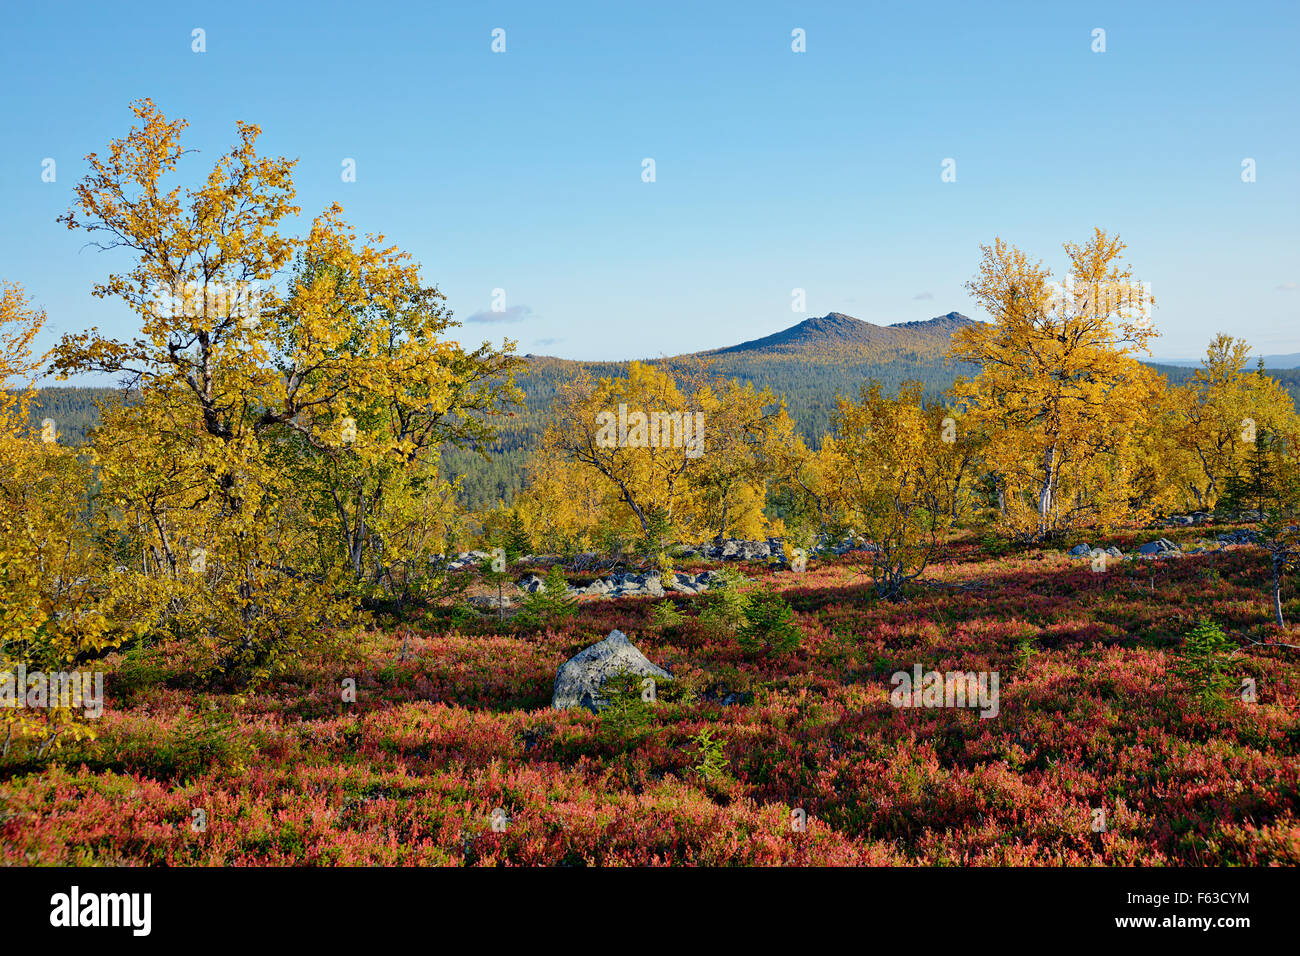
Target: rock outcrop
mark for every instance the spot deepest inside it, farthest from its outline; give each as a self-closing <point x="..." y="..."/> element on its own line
<point x="581" y="678"/>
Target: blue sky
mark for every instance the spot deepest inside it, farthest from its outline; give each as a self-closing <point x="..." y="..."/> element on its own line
<point x="775" y="170"/>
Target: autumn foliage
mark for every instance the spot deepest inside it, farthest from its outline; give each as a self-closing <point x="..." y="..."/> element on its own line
<point x="261" y="520"/>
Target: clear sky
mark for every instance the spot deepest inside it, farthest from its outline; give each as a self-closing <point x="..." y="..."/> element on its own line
<point x="774" y="170"/>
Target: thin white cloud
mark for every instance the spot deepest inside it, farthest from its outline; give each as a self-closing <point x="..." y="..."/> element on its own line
<point x="516" y="313"/>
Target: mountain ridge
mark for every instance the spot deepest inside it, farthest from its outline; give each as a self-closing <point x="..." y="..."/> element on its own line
<point x="834" y="329"/>
<point x="841" y="330"/>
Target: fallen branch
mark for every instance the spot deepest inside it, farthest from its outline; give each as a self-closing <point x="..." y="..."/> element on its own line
<point x="1254" y="643"/>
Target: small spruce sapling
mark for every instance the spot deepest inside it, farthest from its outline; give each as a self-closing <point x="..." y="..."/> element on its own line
<point x="769" y="623"/>
<point x="665" y="615"/>
<point x="724" y="605"/>
<point x="712" y="762"/>
<point x="1203" y="662"/>
<point x="550" y="604"/>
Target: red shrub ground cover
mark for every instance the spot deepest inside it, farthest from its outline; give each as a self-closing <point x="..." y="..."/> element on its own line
<point x="456" y="725"/>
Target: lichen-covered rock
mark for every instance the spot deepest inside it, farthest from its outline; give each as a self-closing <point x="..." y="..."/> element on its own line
<point x="582" y="676"/>
<point x="1161" y="546"/>
<point x="682" y="583"/>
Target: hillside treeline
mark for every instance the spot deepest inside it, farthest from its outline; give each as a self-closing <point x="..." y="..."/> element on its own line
<point x="809" y="387"/>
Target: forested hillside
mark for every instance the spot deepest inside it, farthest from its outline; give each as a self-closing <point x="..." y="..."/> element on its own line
<point x="74" y="410"/>
<point x="809" y="364"/>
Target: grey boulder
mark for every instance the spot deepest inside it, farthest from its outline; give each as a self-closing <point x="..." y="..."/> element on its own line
<point x="1160" y="546"/>
<point x="581" y="677"/>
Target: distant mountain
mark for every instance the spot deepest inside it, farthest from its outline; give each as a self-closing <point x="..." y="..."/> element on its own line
<point x="1291" y="360"/>
<point x="838" y="331"/>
